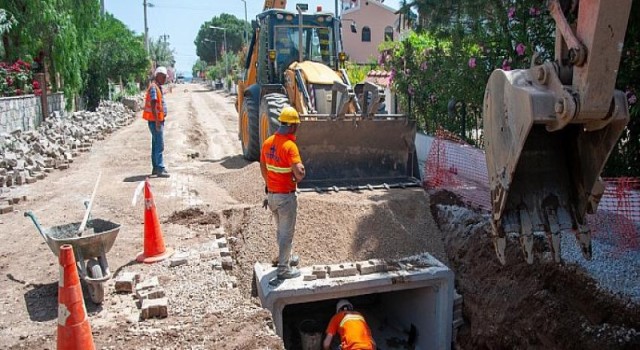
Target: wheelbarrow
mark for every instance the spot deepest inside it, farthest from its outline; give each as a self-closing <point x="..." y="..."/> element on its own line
<point x="90" y="249"/>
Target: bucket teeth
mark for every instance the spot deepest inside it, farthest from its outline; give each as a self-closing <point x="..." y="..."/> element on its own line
<point x="500" y="243"/>
<point x="554" y="234"/>
<point x="526" y="236"/>
<point x="583" y="236"/>
<point x="526" y="241"/>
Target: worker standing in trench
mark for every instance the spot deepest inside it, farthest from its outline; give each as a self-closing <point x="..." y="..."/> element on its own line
<point x="351" y="326"/>
<point x="281" y="167"/>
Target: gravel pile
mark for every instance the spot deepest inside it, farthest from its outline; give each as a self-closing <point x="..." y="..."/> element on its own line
<point x="26" y="156"/>
<point x="616" y="270"/>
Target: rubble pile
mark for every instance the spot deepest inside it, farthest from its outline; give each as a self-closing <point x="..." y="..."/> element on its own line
<point x="27" y="156"/>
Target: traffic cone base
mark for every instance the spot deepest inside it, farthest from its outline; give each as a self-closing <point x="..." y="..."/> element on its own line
<point x="155" y="258"/>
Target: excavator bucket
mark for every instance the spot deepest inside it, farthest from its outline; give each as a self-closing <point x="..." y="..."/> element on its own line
<point x="550" y="129"/>
<point x="357" y="153"/>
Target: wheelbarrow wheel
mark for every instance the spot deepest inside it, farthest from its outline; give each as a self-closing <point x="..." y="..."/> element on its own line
<point x="96" y="290"/>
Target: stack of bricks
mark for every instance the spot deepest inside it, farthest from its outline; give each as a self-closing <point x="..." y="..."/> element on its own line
<point x="218" y="252"/>
<point x="151" y="297"/>
<point x="346" y="269"/>
<point x="28" y="155"/>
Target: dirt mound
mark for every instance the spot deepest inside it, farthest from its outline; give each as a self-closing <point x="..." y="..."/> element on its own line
<point x="194" y="215"/>
<point x="518" y="306"/>
<point x="338" y="227"/>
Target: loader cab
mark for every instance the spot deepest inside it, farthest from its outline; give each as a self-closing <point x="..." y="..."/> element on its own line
<point x="280" y="30"/>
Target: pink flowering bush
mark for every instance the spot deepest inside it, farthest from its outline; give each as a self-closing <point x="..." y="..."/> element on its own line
<point x="448" y="64"/>
<point x="16" y="79"/>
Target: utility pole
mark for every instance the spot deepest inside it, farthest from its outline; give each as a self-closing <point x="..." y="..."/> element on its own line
<point x="246" y="35"/>
<point x="226" y="48"/>
<point x="146" y="28"/>
<point x="102" y="8"/>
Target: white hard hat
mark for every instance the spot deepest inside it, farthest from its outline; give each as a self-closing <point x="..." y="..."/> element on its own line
<point x="161" y="70"/>
<point x="342" y="303"/>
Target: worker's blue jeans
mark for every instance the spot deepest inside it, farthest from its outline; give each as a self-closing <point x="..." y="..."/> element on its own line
<point x="157" y="146"/>
<point x="284" y="208"/>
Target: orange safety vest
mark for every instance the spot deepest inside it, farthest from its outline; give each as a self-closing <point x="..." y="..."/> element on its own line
<point x="147" y="113"/>
<point x="279" y="153"/>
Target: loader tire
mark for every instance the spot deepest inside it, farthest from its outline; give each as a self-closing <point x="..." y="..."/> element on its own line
<point x="270" y="108"/>
<point x="249" y="129"/>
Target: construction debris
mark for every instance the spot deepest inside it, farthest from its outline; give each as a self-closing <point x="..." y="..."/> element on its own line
<point x="26" y="156"/>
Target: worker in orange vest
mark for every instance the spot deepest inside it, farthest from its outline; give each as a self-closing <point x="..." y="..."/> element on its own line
<point x="155" y="112"/>
<point x="352" y="328"/>
<point x="282" y="168"/>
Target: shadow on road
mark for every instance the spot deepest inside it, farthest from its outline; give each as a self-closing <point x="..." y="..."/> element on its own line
<point x="136" y="178"/>
<point x="42" y="302"/>
<point x="230" y="162"/>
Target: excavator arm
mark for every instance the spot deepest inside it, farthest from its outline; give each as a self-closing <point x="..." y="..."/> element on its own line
<point x="549" y="130"/>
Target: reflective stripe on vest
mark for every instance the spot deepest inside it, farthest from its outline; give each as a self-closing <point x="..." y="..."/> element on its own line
<point x="351" y="317"/>
<point x="278" y="170"/>
<point x="147" y="112"/>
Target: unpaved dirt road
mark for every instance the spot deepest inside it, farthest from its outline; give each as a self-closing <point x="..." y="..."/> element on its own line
<point x="207" y="171"/>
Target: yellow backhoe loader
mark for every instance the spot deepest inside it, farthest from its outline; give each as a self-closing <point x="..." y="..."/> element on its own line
<point x="295" y="59"/>
<point x="550" y="129"/>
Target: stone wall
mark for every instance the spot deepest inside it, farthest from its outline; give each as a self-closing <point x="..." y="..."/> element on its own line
<point x="25" y="112"/>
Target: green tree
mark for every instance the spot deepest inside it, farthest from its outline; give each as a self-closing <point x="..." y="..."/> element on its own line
<point x="162" y="53"/>
<point x="61" y="30"/>
<point x="235" y="28"/>
<point x="117" y="54"/>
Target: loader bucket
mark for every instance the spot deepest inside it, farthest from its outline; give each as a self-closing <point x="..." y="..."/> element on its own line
<point x="347" y="153"/>
<point x="542" y="182"/>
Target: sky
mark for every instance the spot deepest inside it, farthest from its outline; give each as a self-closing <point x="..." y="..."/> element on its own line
<point x="181" y="19"/>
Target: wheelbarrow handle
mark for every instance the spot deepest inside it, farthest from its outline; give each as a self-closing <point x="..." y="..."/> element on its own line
<point x="30" y="214"/>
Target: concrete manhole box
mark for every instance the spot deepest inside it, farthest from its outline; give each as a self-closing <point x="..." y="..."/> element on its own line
<point x="408" y="303"/>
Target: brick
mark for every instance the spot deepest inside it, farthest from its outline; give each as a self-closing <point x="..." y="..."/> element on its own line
<point x="150" y="293"/>
<point x="309" y="277"/>
<point x="216" y="265"/>
<point x="224" y="252"/>
<point x="40" y="176"/>
<point x="63" y="166"/>
<point x="342" y="270"/>
<point x="371" y="266"/>
<point x="178" y="259"/>
<point x="208" y="255"/>
<point x="48" y="170"/>
<point x="5" y="209"/>
<point x="221" y="242"/>
<point x="227" y="263"/>
<point x="126" y="282"/>
<point x="152" y="308"/>
<point x="31" y="179"/>
<point x="319" y="271"/>
<point x="148" y="283"/>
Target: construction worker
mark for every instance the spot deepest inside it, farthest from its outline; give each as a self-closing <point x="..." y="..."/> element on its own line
<point x="352" y="328"/>
<point x="282" y="169"/>
<point x="155" y="111"/>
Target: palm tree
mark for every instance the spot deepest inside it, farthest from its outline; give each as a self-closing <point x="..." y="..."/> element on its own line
<point x="162" y="53"/>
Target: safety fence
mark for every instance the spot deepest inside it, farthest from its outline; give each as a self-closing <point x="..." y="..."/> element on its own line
<point x="456" y="166"/>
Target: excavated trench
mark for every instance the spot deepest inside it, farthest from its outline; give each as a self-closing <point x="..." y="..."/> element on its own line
<point x="407" y="303"/>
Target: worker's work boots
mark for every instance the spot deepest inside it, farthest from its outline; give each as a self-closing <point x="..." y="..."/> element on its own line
<point x="293" y="261"/>
<point x="291" y="272"/>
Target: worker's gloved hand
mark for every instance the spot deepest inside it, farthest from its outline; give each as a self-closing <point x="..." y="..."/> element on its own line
<point x="265" y="203"/>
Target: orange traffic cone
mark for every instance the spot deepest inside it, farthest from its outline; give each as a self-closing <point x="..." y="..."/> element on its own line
<point x="154" y="249"/>
<point x="74" y="330"/>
